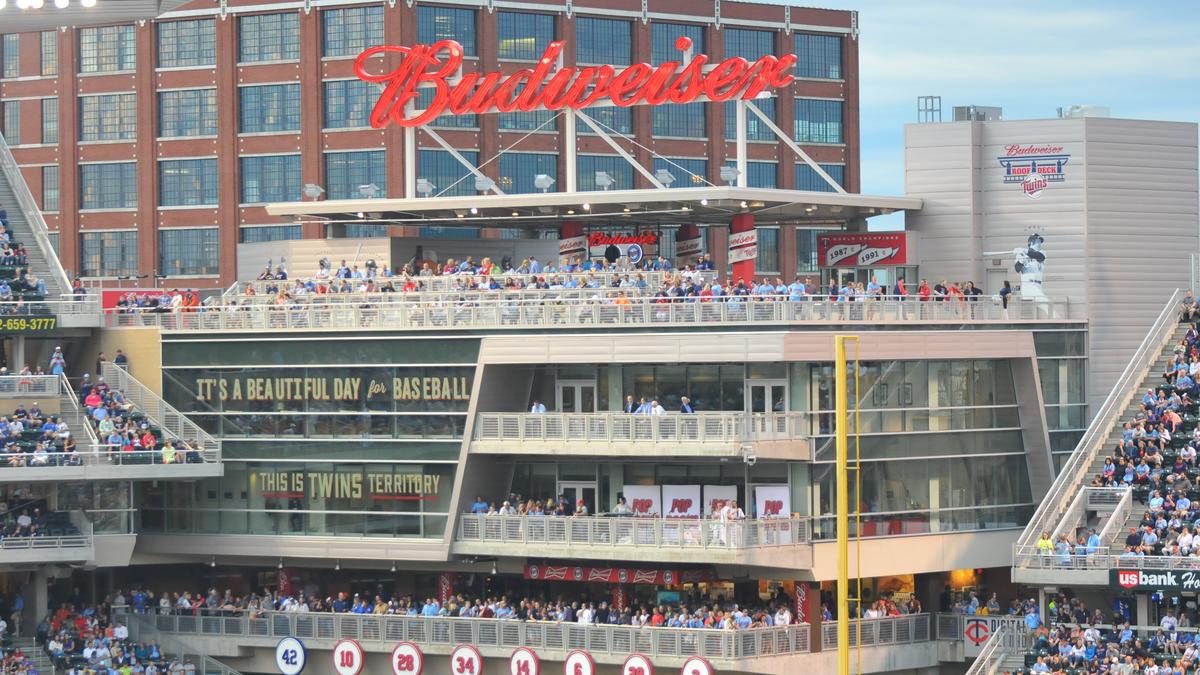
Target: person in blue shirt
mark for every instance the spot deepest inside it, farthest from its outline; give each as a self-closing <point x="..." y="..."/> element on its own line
<point x="535" y="267"/>
<point x="796" y="290"/>
<point x="1093" y="542"/>
<point x="479" y="506"/>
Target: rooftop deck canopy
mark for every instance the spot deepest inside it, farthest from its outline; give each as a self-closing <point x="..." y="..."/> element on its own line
<point x="700" y="205"/>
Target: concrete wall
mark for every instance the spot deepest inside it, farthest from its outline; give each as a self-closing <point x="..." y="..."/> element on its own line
<point x="143" y="346"/>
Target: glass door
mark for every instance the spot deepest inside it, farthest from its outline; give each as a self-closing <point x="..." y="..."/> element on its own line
<point x="767" y="396"/>
<point x="575" y="490"/>
<point x="575" y="396"/>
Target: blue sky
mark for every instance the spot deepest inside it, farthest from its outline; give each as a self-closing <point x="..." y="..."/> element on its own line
<point x="1142" y="60"/>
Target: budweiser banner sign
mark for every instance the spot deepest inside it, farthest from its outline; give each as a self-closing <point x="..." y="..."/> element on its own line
<point x="546" y="87"/>
<point x="687" y="247"/>
<point x="862" y="249"/>
<point x="743" y="246"/>
<point x="615" y="575"/>
<point x="1156" y="580"/>
<point x="1033" y="167"/>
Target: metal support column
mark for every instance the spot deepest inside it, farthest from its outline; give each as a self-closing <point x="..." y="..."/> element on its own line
<point x="740" y="135"/>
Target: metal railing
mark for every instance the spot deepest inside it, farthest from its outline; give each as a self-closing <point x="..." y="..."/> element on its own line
<point x="142" y="629"/>
<point x="106" y="455"/>
<point x="703" y="427"/>
<point x="1073" y="475"/>
<point x="414" y="315"/>
<point x="502" y="634"/>
<point x="29" y="386"/>
<point x="69" y="408"/>
<point x="889" y="630"/>
<point x="33" y="216"/>
<point x="34" y="315"/>
<point x="953" y="626"/>
<point x="624" y="531"/>
<point x="83" y="539"/>
<point x="1116" y="522"/>
<point x="173" y="423"/>
<point x="1104" y="559"/>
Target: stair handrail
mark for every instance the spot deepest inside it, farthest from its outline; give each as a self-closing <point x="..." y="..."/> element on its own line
<point x="170" y="420"/>
<point x="67" y="392"/>
<point x="33" y="215"/>
<point x="1074" y="472"/>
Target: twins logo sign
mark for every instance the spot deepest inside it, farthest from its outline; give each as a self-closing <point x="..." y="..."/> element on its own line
<point x="1033" y="167"/>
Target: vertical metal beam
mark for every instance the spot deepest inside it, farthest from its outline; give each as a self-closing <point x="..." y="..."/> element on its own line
<point x="410" y="163"/>
<point x="572" y="166"/>
<point x="740" y="137"/>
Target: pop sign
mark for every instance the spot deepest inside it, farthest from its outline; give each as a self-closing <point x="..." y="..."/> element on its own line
<point x="407" y="659"/>
<point x="466" y="660"/>
<point x="348" y="657"/>
<point x="524" y="662"/>
<point x="290" y="656"/>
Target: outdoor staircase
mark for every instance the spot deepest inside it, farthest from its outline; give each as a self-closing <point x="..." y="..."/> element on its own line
<point x="37" y="656"/>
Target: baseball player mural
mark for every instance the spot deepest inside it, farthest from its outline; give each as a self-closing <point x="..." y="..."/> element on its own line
<point x="1030" y="264"/>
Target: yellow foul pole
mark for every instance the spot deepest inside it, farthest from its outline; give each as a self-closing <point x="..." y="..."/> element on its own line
<point x="843" y="503"/>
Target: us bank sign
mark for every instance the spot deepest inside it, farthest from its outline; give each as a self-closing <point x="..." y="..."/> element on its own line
<point x="1165" y="580"/>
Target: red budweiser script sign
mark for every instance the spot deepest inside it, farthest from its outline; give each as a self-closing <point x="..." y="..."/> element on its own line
<point x="601" y="239"/>
<point x="432" y="66"/>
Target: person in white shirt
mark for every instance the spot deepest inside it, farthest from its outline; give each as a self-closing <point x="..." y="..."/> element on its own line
<point x="783" y="617"/>
<point x="537" y="407"/>
<point x="656" y="408"/>
<point x="1169" y="623"/>
<point x="507" y="510"/>
<point x="121" y="631"/>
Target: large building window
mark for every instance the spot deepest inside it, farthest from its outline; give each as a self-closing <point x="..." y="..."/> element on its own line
<point x="346" y="171"/>
<point x="449" y="176"/>
<point x="350" y="30"/>
<point x="348" y="103"/>
<point x="685" y="120"/>
<point x="617" y="169"/>
<point x="188" y="251"/>
<point x="447" y="23"/>
<point x="806" y="251"/>
<point x="187" y="182"/>
<point x="540" y="120"/>
<point x="756" y="130"/>
<point x="768" y="251"/>
<point x="50" y="188"/>
<point x="603" y="41"/>
<point x="611" y="119"/>
<point x="108" y="117"/>
<point x="269" y="108"/>
<point x="256" y="233"/>
<point x="107" y="49"/>
<point x="818" y="121"/>
<point x="663" y="36"/>
<point x="49" y="120"/>
<point x="269" y="37"/>
<point x="273" y="178"/>
<point x="518" y="169"/>
<point x="187" y="112"/>
<point x="748" y="44"/>
<point x="468" y="121"/>
<point x="687" y="172"/>
<point x="108" y="186"/>
<point x="759" y="174"/>
<point x="12" y="122"/>
<point x="186" y="44"/>
<point x="819" y="56"/>
<point x="12" y="55"/>
<point x="807" y="179"/>
<point x="522" y="36"/>
<point x="108" y="254"/>
<point x="49" y="53"/>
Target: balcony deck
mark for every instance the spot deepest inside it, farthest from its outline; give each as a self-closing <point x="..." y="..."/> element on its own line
<point x="614" y="434"/>
<point x="780" y="543"/>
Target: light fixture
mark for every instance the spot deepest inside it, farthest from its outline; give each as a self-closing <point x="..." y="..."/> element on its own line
<point x="36" y="4"/>
<point x="744" y="205"/>
<point x="494" y="567"/>
<point x="281" y="563"/>
<point x="474" y="210"/>
<point x="212" y="561"/>
<point x="425" y="187"/>
<point x="665" y="177"/>
<point x="460" y="213"/>
<point x="313" y="191"/>
<point x="603" y="180"/>
<point x="515" y="214"/>
<point x="361" y="215"/>
<point x="703" y="202"/>
<point x="393" y="565"/>
<point x="685" y="208"/>
<point x="729" y="173"/>
<point x="626" y="209"/>
<point x="368" y="191"/>
<point x="587" y="206"/>
<point x="484" y="184"/>
<point x="88" y="3"/>
<point x="543" y="182"/>
<point x="61" y="4"/>
<point x="337" y="566"/>
<point x="570" y="212"/>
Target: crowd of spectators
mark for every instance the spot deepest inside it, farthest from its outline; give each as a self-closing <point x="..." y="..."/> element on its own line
<point x="88" y="640"/>
<point x="33" y="437"/>
<point x="1156" y="455"/>
<point x="36" y="522"/>
<point x="124" y="430"/>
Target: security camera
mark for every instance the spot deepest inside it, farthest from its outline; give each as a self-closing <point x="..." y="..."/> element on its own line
<point x="750" y="459"/>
